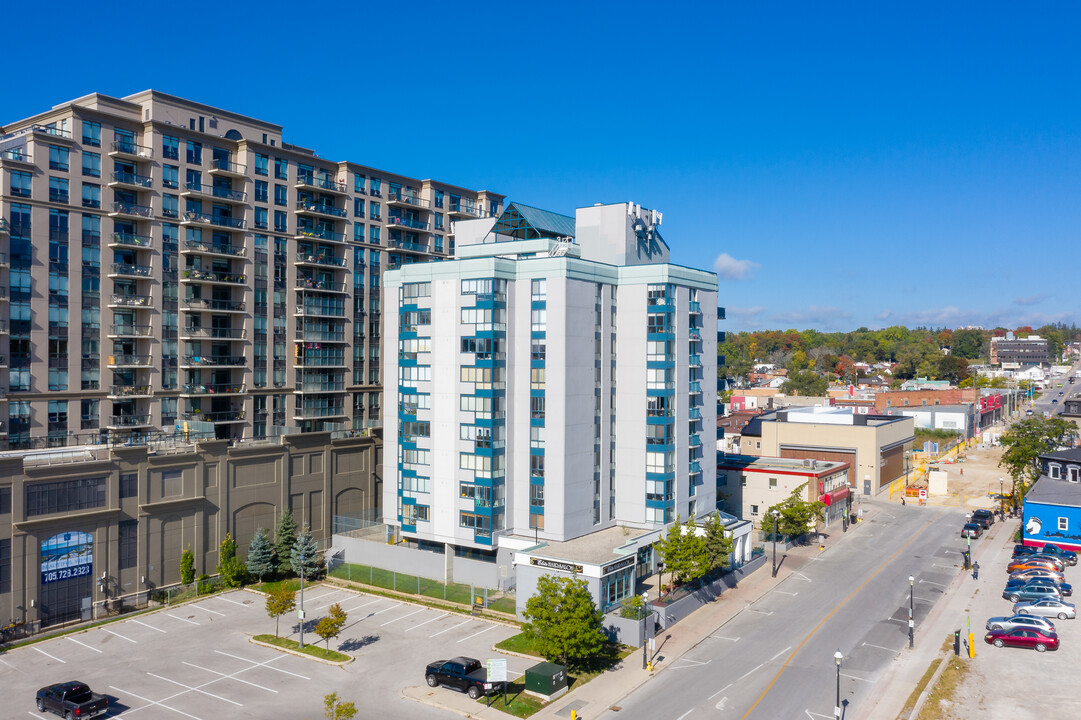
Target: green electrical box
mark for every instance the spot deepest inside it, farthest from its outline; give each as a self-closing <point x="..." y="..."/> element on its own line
<point x="546" y="679"/>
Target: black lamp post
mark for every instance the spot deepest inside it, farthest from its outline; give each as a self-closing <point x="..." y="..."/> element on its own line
<point x="645" y="617"/>
<point x="837" y="657"/>
<point x="302" y="559"/>
<point x="911" y="621"/>
<point x="776" y="515"/>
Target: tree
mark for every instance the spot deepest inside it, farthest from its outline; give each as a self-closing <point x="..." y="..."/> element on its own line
<point x="718" y="544"/>
<point x="670" y="548"/>
<point x="261" y="560"/>
<point x="187" y="567"/>
<point x="232" y="570"/>
<point x="805" y="382"/>
<point x="1026" y="441"/>
<point x="304" y="555"/>
<point x="696" y="559"/>
<point x="279" y="602"/>
<point x="563" y="620"/>
<point x="967" y="343"/>
<point x="331" y="626"/>
<point x="797" y="515"/>
<point x="285" y="534"/>
<point x="227" y="550"/>
<point x="335" y="709"/>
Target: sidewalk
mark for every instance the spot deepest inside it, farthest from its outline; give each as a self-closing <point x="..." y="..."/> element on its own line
<point x="610" y="687"/>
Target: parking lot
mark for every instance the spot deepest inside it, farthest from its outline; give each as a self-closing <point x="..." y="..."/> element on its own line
<point x="195" y="661"/>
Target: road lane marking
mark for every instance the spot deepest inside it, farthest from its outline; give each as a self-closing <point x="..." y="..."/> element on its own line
<point x="177" y="617"/>
<point x="121" y="636"/>
<point x="65" y="662"/>
<point x="490" y="627"/>
<point x="814" y="715"/>
<point x="265" y="664"/>
<point x="933" y="583"/>
<point x="2" y="660"/>
<point x="196" y="689"/>
<point x="439" y="617"/>
<point x="685" y="714"/>
<point x="760" y="612"/>
<point x="903" y="622"/>
<point x="750" y="671"/>
<point x="720" y="691"/>
<point x="780" y="653"/>
<point x="793" y="594"/>
<point x="139" y="622"/>
<point x="721" y="703"/>
<point x="88" y="647"/>
<point x="882" y="648"/>
<point x="831" y="614"/>
<point x="804" y="577"/>
<point x="152" y="702"/>
<point x="693" y="663"/>
<point x="402" y="617"/>
<point x="722" y="637"/>
<point x="451" y="628"/>
<point x="858" y="678"/>
<point x="226" y="675"/>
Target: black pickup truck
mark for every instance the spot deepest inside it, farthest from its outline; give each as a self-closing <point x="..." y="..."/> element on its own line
<point x="72" y="700"/>
<point x="461" y="673"/>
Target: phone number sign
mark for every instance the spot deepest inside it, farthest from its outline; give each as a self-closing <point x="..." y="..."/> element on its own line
<point x="67" y="555"/>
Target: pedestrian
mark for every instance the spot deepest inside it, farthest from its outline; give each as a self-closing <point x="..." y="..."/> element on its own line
<point x="902" y="501"/>
<point x="976" y="570"/>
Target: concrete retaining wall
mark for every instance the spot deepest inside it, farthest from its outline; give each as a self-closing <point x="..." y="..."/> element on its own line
<point x="667" y="615"/>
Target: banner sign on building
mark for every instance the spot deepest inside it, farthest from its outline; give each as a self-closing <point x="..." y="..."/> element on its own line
<point x="67" y="555"/>
<point x="555" y="565"/>
<point x="625" y="563"/>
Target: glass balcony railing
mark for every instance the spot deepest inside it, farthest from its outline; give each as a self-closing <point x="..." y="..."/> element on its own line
<point x="205" y="304"/>
<point x="323" y="208"/>
<point x="320" y="259"/>
<point x="127" y="147"/>
<point x="213" y="333"/>
<point x="210" y="276"/>
<point x="220" y="389"/>
<point x="228" y="166"/>
<point x="320" y="234"/>
<point x="128" y="360"/>
<point x="320" y="335"/>
<point x="470" y="210"/>
<point x="695" y="307"/>
<point x="131" y="270"/>
<point x="213" y="417"/>
<point x="304" y="411"/>
<point x="304" y="283"/>
<point x="129" y="390"/>
<point x="129" y="420"/>
<point x="407" y="223"/>
<point x="405" y="199"/>
<point x="321" y="386"/>
<point x="137" y="241"/>
<point x="123" y="208"/>
<point x="213" y="248"/>
<point x="131" y="300"/>
<point x="322" y="183"/>
<point x="127" y="178"/>
<point x="15" y="155"/>
<point x="131" y="330"/>
<point x="214" y="360"/>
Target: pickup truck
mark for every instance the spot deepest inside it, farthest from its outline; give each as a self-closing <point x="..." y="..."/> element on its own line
<point x="72" y="700"/>
<point x="461" y="673"/>
<point x="1069" y="556"/>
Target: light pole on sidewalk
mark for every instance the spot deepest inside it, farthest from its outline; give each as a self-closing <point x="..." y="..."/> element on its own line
<point x="776" y="515"/>
<point x="645" y="617"/>
<point x="911" y="621"/>
<point x="837" y="657"/>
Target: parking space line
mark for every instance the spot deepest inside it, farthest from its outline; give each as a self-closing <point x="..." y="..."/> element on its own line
<point x="451" y="628"/>
<point x="232" y="601"/>
<point x="152" y="702"/>
<point x="319" y="597"/>
<point x="358" y="607"/>
<point x="403" y="617"/>
<point x="490" y="627"/>
<point x="225" y="675"/>
<point x="120" y="636"/>
<point x="50" y="656"/>
<point x="2" y="660"/>
<point x="177" y="617"/>
<point x="88" y="647"/>
<point x="396" y="605"/>
<point x="139" y="622"/>
<point x="266" y="664"/>
<point x="34" y="714"/>
<point x="206" y="609"/>
<point x="440" y="617"/>
<point x="196" y="689"/>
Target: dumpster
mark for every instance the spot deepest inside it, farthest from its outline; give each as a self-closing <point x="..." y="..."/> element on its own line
<point x="546" y="680"/>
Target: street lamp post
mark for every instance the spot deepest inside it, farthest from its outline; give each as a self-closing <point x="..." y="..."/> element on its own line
<point x="776" y="515"/>
<point x="911" y="621"/>
<point x="837" y="657"/>
<point x="1001" y="501"/>
<point x="645" y="618"/>
<point x="302" y="558"/>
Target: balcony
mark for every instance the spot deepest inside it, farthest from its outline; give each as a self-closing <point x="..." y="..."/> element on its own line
<point x="227" y="416"/>
<point x="130" y="210"/>
<point x="133" y="271"/>
<point x="201" y="304"/>
<point x="4" y="327"/>
<point x="320" y="310"/>
<point x="308" y="413"/>
<point x="213" y="361"/>
<point x="130" y="331"/>
<point x="196" y="389"/>
<point x="189" y="332"/>
<point x="214" y="192"/>
<point x="694" y="307"/>
<point x="138" y="301"/>
<point x="130" y="391"/>
<point x="319" y="259"/>
<point x="335" y="336"/>
<point x="192" y="275"/>
<point x="208" y="248"/>
<point x="320" y="386"/>
<point x="407" y="223"/>
<point x="403" y="200"/>
<point x="308" y="207"/>
<point x="694" y="387"/>
<point x="130" y="240"/>
<point x="4" y="262"/>
<point x="409" y="246"/>
<point x="204" y="220"/>
<point x="131" y="151"/>
<point x="133" y="361"/>
<point x="228" y="168"/>
<point x="304" y="283"/>
<point x="305" y="182"/>
<point x="319" y="234"/>
<point x="16" y="155"/>
<point x="466" y="211"/>
<point x="694" y="361"/>
<point x="119" y="422"/>
<point x="131" y="180"/>
<point x="321" y="361"/>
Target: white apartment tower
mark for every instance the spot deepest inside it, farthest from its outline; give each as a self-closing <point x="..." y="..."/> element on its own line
<point x="557" y="377"/>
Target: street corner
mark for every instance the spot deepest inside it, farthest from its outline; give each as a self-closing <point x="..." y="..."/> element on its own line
<point x="440" y="698"/>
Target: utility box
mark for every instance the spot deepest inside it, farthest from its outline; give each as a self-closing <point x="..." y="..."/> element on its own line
<point x="546" y="680"/>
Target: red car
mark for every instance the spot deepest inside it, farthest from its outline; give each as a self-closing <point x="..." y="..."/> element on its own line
<point x="1023" y="638"/>
<point x="1030" y="563"/>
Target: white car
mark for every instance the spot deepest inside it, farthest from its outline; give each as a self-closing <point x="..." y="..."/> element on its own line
<point x="1046" y="608"/>
<point x="1020" y="621"/>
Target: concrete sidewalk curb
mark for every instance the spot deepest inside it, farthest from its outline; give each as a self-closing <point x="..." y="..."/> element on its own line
<point x="297" y="653"/>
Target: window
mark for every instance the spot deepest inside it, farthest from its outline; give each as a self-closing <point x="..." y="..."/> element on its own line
<point x="172" y="483"/>
<point x="358" y="207"/>
<point x="127" y="551"/>
<point x="170" y="147"/>
<point x="5" y="566"/>
<point x="170" y="176"/>
<point x="773" y="483"/>
<point x="91" y="133"/>
<point x="261" y="219"/>
<point x="374" y="210"/>
<point x="58" y="158"/>
<point x="281" y="168"/>
<point x="358" y="183"/>
<point x="539" y="290"/>
<point x="129" y="485"/>
<point x="1063" y="523"/>
<point x="281" y="221"/>
<point x="538" y="319"/>
<point x="65" y="496"/>
<point x="754" y="511"/>
<point x="374" y="185"/>
<point x="536" y="495"/>
<point x="20" y="183"/>
<point x="92" y="164"/>
<point x="262" y="164"/>
<point x="58" y="190"/>
<point x="195" y="153"/>
<point x="5" y="500"/>
<point x="170" y="205"/>
<point x="281" y="195"/>
<point x="373" y="235"/>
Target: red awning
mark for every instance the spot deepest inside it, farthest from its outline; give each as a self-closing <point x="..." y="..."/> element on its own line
<point x="835" y="495"/>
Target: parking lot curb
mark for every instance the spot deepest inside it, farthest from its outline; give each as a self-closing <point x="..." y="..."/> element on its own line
<point x="306" y="656"/>
<point x="430" y="603"/>
<point x="410" y="693"/>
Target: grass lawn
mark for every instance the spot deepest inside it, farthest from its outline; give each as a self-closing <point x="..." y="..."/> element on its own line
<point x="521" y="643"/>
<point x="504" y="604"/>
<point x="313" y="650"/>
<point x="400" y="582"/>
<point x="518" y="703"/>
<point x="273" y="585"/>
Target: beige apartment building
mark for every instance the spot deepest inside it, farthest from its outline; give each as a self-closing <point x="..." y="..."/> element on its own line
<point x="166" y="265"/>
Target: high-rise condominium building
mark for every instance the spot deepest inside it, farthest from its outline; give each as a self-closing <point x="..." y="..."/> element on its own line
<point x="170" y="263"/>
<point x="558" y="377"/>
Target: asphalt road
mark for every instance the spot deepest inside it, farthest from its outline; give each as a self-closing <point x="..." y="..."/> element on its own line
<point x="775" y="659"/>
<point x="1043" y="400"/>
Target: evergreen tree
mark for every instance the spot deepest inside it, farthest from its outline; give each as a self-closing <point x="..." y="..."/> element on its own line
<point x="564" y="621"/>
<point x="696" y="561"/>
<point x="261" y="560"/>
<point x="670" y="550"/>
<point x="304" y="555"/>
<point x="285" y="534"/>
<point x="719" y="545"/>
<point x="227" y="550"/>
<point x="187" y="567"/>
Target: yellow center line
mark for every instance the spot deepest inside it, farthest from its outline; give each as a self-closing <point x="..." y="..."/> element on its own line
<point x="831" y="613"/>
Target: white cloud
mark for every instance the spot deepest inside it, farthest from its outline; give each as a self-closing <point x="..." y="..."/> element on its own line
<point x="1031" y="300"/>
<point x="743" y="313"/>
<point x="813" y="317"/>
<point x="730" y="268"/>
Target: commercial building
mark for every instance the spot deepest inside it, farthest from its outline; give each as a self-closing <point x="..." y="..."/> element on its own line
<point x="1012" y="353"/>
<point x="174" y="264"/>
<point x="873" y="446"/>
<point x="1052" y="509"/>
<point x="89" y="525"/>
<point x="557" y="378"/>
<point x="750" y="486"/>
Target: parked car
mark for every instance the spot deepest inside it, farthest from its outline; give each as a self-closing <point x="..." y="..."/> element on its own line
<point x="1068" y="556"/>
<point x="72" y="700"/>
<point x="1032" y="592"/>
<point x="1028" y="622"/>
<point x="985" y="518"/>
<point x="1023" y="638"/>
<point x="1033" y="573"/>
<point x="1065" y="588"/>
<point x="1059" y="563"/>
<point x="1020" y="550"/>
<point x="461" y="673"/>
<point x="1047" y="608"/>
<point x="1034" y="562"/>
<point x="972" y="530"/>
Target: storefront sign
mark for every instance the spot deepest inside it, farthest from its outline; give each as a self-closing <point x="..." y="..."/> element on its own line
<point x="624" y="563"/>
<point x="555" y="565"/>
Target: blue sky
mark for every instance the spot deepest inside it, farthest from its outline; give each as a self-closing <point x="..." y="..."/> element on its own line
<point x="839" y="164"/>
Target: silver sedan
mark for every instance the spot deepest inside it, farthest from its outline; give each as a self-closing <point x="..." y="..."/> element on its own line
<point x="1046" y="608"/>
